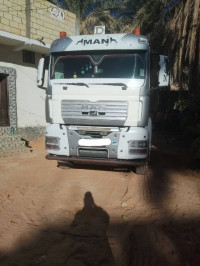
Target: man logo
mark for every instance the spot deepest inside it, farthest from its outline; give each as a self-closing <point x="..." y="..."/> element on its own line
<point x="93" y="113"/>
<point x="97" y="41"/>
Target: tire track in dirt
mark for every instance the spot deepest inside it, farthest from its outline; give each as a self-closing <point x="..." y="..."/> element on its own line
<point x="40" y="203"/>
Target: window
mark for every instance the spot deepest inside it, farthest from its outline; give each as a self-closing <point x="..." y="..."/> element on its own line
<point x="131" y="65"/>
<point x="28" y="57"/>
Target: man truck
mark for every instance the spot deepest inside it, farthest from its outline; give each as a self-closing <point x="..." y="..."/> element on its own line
<point x="97" y="99"/>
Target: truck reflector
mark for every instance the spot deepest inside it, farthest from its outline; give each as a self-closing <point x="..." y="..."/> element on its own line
<point x="63" y="34"/>
<point x="137" y="31"/>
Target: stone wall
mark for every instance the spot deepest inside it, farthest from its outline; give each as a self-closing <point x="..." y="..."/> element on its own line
<point x="31" y="133"/>
<point x="38" y="20"/>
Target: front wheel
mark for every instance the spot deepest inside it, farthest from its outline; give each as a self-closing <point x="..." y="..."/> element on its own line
<point x="64" y="165"/>
<point x="141" y="170"/>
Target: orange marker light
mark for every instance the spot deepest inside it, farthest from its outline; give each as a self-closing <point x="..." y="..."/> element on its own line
<point x="63" y="34"/>
<point x="137" y="31"/>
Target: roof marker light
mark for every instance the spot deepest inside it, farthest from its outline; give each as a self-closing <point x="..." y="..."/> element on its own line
<point x="63" y="34"/>
<point x="137" y="31"/>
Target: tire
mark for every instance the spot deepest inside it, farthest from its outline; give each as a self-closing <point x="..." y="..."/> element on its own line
<point x="63" y="165"/>
<point x="141" y="170"/>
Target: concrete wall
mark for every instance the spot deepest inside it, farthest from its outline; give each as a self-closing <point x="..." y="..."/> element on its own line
<point x="35" y="19"/>
<point x="30" y="99"/>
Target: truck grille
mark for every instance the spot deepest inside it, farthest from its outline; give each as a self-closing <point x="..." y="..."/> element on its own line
<point x="93" y="153"/>
<point x="91" y="113"/>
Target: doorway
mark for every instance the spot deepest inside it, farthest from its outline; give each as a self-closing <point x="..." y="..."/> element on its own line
<point x="4" y="100"/>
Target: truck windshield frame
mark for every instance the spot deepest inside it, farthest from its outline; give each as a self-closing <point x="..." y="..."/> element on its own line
<point x="103" y="64"/>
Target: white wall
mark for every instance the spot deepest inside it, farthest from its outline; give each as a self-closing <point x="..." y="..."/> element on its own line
<point x="30" y="99"/>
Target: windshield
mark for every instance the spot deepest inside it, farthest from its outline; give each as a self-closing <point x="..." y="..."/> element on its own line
<point x="131" y="65"/>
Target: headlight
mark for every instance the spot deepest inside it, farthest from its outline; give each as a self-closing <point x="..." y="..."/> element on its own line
<point x="52" y="143"/>
<point x="138" y="146"/>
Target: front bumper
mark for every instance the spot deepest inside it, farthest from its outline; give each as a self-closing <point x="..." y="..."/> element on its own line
<point x="110" y="162"/>
<point x="87" y="142"/>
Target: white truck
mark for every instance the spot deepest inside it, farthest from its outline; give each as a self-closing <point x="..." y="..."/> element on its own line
<point x="97" y="99"/>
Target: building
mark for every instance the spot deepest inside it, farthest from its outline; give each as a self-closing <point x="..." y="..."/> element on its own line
<point x="27" y="28"/>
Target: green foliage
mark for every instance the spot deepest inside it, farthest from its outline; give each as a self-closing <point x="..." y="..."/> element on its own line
<point x="190" y="125"/>
<point x="102" y="16"/>
<point x="78" y="7"/>
<point x="149" y="15"/>
<point x="53" y="2"/>
<point x="124" y="6"/>
<point x="127" y="10"/>
<point x="134" y="6"/>
<point x="109" y="4"/>
<point x="182" y="104"/>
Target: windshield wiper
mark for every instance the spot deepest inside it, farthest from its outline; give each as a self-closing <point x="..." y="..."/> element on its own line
<point x="124" y="86"/>
<point x="78" y="83"/>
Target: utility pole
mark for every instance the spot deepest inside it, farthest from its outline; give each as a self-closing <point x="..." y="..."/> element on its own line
<point x="28" y="18"/>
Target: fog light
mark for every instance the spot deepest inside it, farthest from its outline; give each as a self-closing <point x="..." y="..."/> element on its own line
<point x="52" y="143"/>
<point x="138" y="146"/>
<point x="138" y="151"/>
<point x="142" y="144"/>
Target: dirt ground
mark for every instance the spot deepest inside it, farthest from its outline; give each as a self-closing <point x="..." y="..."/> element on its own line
<point x="90" y="217"/>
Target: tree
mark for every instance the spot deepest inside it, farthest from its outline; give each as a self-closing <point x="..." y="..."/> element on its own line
<point x="133" y="6"/>
<point x="173" y="28"/>
<point x="115" y="14"/>
<point x="79" y="7"/>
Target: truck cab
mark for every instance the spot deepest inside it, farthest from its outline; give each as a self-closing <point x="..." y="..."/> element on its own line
<point x="97" y="100"/>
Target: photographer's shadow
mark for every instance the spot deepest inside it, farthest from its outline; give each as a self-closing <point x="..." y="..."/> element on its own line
<point x="89" y="244"/>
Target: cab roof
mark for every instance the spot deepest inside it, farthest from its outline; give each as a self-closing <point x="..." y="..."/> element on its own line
<point x="100" y="42"/>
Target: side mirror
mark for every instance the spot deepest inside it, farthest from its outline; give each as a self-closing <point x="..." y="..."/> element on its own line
<point x="163" y="75"/>
<point x="40" y="73"/>
<point x="159" y="70"/>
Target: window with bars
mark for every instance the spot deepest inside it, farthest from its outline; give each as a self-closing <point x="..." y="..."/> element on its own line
<point x="28" y="57"/>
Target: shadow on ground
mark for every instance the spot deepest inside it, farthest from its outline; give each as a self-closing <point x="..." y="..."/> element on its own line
<point x="65" y="165"/>
<point x="90" y="240"/>
<point x="83" y="242"/>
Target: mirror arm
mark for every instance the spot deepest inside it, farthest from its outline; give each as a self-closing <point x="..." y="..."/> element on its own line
<point x="42" y="87"/>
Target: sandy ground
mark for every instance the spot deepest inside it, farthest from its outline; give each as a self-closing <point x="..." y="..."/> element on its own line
<point x="87" y="217"/>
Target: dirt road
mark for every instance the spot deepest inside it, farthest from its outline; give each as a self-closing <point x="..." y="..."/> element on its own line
<point x="78" y="217"/>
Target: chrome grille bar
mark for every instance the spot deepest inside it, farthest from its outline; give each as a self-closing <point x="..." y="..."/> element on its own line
<point x="88" y="112"/>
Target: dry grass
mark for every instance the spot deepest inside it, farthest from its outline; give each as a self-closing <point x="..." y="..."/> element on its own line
<point x="98" y="18"/>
